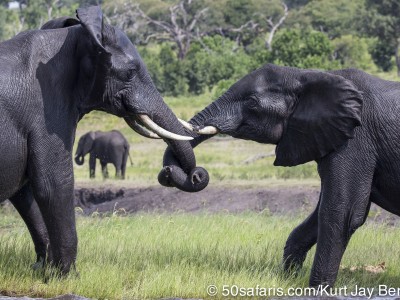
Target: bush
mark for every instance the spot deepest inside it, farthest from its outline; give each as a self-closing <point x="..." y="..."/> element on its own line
<point x="214" y="59"/>
<point x="303" y="49"/>
<point x="167" y="72"/>
<point x="352" y="52"/>
<point x="221" y="87"/>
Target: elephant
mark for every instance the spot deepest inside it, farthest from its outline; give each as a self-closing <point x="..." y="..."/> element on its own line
<point x="49" y="79"/>
<point x="346" y="120"/>
<point x="108" y="147"/>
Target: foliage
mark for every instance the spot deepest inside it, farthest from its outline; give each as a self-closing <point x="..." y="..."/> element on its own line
<point x="353" y="52"/>
<point x="303" y="49"/>
<point x="383" y="22"/>
<point x="229" y="38"/>
<point x="215" y="59"/>
<point x="332" y="17"/>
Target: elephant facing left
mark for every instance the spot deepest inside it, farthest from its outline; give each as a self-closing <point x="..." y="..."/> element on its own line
<point x="109" y="147"/>
<point x="49" y="79"/>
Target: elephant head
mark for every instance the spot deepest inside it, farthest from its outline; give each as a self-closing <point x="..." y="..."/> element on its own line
<point x="112" y="77"/>
<point x="85" y="145"/>
<point x="306" y="113"/>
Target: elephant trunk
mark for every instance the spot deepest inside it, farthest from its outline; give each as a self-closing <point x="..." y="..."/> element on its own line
<point x="79" y="159"/>
<point x="180" y="152"/>
<point x="172" y="173"/>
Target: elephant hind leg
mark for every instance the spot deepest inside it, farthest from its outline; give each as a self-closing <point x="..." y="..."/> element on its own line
<point x="28" y="209"/>
<point x="124" y="162"/>
<point x="104" y="170"/>
<point x="300" y="241"/>
<point x="344" y="204"/>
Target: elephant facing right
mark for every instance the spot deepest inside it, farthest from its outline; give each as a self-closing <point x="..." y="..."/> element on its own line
<point x="347" y="121"/>
<point x="109" y="147"/>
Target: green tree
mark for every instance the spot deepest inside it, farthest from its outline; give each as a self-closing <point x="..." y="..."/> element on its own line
<point x="303" y="49"/>
<point x="332" y="17"/>
<point x="353" y="52"/>
<point x="383" y="22"/>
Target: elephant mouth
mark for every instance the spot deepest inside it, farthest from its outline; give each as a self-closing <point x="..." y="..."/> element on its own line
<point x="145" y="126"/>
<point x="201" y="129"/>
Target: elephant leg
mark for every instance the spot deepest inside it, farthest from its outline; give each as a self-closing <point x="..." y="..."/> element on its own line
<point x="104" y="169"/>
<point x="28" y="209"/>
<point x="123" y="165"/>
<point x="117" y="170"/>
<point x="300" y="241"/>
<point x="344" y="204"/>
<point x="50" y="174"/>
<point x="92" y="165"/>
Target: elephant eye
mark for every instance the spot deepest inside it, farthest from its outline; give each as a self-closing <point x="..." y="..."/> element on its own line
<point x="130" y="74"/>
<point x="252" y="103"/>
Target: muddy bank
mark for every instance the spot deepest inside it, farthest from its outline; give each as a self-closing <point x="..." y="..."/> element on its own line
<point x="274" y="200"/>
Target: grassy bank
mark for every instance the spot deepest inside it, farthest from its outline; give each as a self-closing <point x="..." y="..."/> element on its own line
<point x="223" y="158"/>
<point x="155" y="256"/>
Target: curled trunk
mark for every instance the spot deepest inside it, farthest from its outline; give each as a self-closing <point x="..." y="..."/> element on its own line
<point x="173" y="173"/>
<point x="79" y="159"/>
<point x="179" y="152"/>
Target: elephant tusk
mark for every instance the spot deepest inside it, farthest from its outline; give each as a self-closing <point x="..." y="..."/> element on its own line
<point x="187" y="125"/>
<point x="149" y="123"/>
<point x="206" y="130"/>
<point x="142" y="130"/>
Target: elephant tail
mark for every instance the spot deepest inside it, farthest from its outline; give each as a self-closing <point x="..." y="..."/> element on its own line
<point x="127" y="152"/>
<point x="130" y="158"/>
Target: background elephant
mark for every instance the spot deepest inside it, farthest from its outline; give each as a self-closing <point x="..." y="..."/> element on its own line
<point x="315" y="115"/>
<point x="109" y="147"/>
<point x="49" y="80"/>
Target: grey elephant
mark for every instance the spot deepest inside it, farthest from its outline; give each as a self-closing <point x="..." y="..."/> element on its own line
<point x="109" y="147"/>
<point x="346" y="120"/>
<point x="49" y="79"/>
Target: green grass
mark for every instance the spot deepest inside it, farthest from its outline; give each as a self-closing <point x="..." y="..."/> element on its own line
<point x="155" y="256"/>
<point x="224" y="159"/>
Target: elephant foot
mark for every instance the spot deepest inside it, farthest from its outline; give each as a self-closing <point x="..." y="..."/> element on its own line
<point x="39" y="264"/>
<point x="293" y="260"/>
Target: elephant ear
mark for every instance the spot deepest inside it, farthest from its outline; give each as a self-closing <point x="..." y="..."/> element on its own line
<point x="92" y="20"/>
<point x="88" y="142"/>
<point x="327" y="110"/>
<point x="60" y="23"/>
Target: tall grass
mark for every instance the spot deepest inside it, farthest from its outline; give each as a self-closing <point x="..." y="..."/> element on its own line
<point x="155" y="256"/>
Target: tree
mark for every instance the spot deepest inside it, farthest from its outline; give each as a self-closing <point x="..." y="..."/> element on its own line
<point x="332" y="17"/>
<point x="181" y="27"/>
<point x="273" y="26"/>
<point x="383" y="22"/>
<point x="249" y="19"/>
<point x="303" y="49"/>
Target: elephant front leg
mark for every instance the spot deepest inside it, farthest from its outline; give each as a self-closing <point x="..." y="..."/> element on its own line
<point x="51" y="177"/>
<point x="344" y="205"/>
<point x="300" y="241"/>
<point x="27" y="207"/>
<point x="92" y="165"/>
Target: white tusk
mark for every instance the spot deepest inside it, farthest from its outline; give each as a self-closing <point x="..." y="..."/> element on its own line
<point x="149" y="123"/>
<point x="141" y="130"/>
<point x="187" y="125"/>
<point x="207" y="130"/>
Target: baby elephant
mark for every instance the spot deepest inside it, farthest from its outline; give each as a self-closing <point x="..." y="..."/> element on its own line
<point x="108" y="147"/>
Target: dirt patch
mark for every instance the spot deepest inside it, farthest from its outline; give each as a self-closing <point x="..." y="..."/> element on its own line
<point x="214" y="199"/>
<point x="274" y="200"/>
